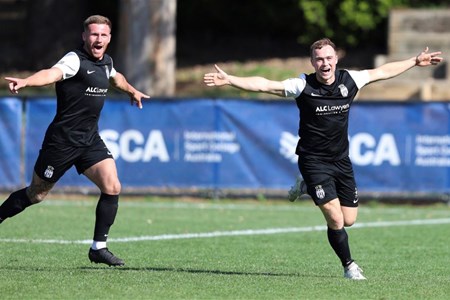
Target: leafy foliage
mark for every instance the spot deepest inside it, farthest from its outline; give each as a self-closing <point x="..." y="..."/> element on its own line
<point x="352" y="22"/>
<point x="349" y="21"/>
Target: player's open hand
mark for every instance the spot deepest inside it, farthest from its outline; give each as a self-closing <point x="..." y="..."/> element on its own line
<point x="216" y="79"/>
<point x="136" y="99"/>
<point x="15" y="84"/>
<point x="426" y="59"/>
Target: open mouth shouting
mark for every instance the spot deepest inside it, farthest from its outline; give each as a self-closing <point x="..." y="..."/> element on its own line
<point x="97" y="50"/>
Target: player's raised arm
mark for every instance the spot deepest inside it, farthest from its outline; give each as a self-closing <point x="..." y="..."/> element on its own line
<point x="392" y="69"/>
<point x="40" y="78"/>
<point x="252" y="84"/>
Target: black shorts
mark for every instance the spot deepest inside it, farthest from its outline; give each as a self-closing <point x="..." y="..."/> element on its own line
<point x="53" y="161"/>
<point x="329" y="180"/>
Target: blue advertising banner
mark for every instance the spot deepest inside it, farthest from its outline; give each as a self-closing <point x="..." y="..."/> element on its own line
<point x="401" y="147"/>
<point x="244" y="144"/>
<point x="199" y="143"/>
<point x="187" y="143"/>
<point x="10" y="146"/>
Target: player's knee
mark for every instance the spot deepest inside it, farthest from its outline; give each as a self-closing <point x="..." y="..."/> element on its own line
<point x="37" y="197"/>
<point x="113" y="188"/>
<point x="349" y="223"/>
<point x="116" y="189"/>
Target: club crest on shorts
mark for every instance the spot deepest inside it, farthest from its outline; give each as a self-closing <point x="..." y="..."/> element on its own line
<point x="343" y="89"/>
<point x="320" y="193"/>
<point x="49" y="172"/>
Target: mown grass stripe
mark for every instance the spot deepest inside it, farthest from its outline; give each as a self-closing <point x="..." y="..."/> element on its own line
<point x="247" y="232"/>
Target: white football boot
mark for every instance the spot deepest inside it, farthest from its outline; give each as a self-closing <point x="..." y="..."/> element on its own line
<point x="354" y="272"/>
<point x="298" y="189"/>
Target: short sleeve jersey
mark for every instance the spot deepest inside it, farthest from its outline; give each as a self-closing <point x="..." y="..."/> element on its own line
<point x="324" y="112"/>
<point x="80" y="98"/>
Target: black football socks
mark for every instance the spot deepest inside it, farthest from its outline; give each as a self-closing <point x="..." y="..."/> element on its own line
<point x="339" y="242"/>
<point x="15" y="204"/>
<point x="105" y="214"/>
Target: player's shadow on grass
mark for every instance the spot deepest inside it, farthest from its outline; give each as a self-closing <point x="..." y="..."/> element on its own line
<point x="214" y="272"/>
<point x="167" y="269"/>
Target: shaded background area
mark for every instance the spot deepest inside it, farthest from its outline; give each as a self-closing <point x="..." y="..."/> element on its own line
<point x="263" y="37"/>
<point x="38" y="32"/>
<point x="255" y="30"/>
<point x="251" y="30"/>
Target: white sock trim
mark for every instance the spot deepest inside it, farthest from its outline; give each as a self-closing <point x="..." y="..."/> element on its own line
<point x="96" y="245"/>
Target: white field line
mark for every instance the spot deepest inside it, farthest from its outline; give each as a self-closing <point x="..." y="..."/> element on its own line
<point x="215" y="234"/>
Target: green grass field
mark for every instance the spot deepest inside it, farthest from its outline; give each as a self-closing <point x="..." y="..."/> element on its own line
<point x="223" y="249"/>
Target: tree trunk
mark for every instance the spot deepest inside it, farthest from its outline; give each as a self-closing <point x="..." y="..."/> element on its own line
<point x="147" y="45"/>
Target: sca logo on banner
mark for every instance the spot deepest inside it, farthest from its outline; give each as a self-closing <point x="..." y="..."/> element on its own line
<point x="364" y="149"/>
<point x="133" y="146"/>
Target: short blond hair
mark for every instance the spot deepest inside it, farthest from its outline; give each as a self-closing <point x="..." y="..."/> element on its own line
<point x="96" y="19"/>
